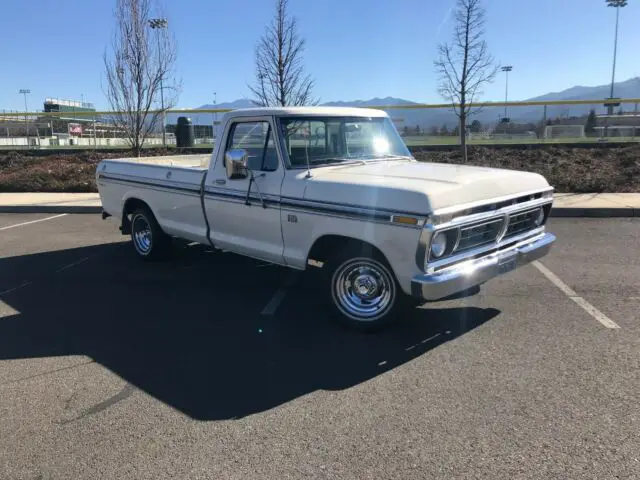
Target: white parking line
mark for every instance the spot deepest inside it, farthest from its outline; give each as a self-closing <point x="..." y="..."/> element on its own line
<point x="569" y="292"/>
<point x="277" y="298"/>
<point x="15" y="288"/>
<point x="33" y="221"/>
<point x="73" y="264"/>
<point x="61" y="269"/>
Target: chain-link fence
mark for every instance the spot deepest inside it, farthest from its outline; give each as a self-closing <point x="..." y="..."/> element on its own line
<point x="419" y="125"/>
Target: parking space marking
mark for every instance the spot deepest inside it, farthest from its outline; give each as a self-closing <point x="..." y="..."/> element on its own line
<point x="277" y="298"/>
<point x="72" y="264"/>
<point x="33" y="221"/>
<point x="15" y="288"/>
<point x="61" y="269"/>
<point x="569" y="292"/>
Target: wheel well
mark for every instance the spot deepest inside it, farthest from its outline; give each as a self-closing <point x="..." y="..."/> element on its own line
<point x="328" y="245"/>
<point x="130" y="206"/>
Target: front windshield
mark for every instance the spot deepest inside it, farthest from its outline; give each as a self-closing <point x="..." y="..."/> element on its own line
<point x="325" y="140"/>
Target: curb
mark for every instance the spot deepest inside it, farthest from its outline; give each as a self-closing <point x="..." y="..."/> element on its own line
<point x="556" y="212"/>
<point x="50" y="209"/>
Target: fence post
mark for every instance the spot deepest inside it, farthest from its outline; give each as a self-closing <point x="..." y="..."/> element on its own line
<point x="635" y="114"/>
<point x="544" y="124"/>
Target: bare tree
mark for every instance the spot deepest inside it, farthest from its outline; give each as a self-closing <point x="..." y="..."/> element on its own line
<point x="137" y="68"/>
<point x="280" y="76"/>
<point x="465" y="65"/>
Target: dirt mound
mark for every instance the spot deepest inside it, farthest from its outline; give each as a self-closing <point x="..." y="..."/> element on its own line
<point x="26" y="172"/>
<point x="577" y="170"/>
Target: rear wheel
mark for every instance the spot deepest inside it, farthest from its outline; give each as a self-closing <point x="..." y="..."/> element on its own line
<point x="148" y="239"/>
<point x="364" y="293"/>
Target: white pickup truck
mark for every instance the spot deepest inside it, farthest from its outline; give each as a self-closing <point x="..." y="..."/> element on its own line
<point x="335" y="188"/>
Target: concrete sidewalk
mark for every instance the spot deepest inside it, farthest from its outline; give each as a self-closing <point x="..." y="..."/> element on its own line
<point x="50" y="203"/>
<point x="564" y="205"/>
<point x="596" y="205"/>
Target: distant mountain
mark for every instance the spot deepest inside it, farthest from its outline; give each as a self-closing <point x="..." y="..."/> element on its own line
<point x="242" y="103"/>
<point x="627" y="89"/>
<point x="199" y="118"/>
<point x="427" y="118"/>
<point x="374" y="102"/>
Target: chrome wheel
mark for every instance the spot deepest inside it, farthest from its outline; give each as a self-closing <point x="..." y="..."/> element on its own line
<point x="141" y="234"/>
<point x="363" y="289"/>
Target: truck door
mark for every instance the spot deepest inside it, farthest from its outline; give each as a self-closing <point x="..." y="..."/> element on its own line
<point x="249" y="229"/>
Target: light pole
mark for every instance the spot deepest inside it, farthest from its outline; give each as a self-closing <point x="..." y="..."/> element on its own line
<point x="158" y="23"/>
<point x="25" y="92"/>
<point x="506" y="69"/>
<point x="215" y="116"/>
<point x="616" y="4"/>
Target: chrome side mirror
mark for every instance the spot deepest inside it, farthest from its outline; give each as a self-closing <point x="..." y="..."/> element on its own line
<point x="236" y="164"/>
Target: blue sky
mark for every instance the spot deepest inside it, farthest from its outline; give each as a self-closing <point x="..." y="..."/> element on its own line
<point x="356" y="49"/>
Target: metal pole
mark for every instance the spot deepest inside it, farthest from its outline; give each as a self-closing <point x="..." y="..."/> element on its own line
<point x="158" y="23"/>
<point x="615" y="52"/>
<point x="506" y="93"/>
<point x="26" y="109"/>
<point x="506" y="69"/>
<point x="25" y="91"/>
<point x="164" y="119"/>
<point x="215" y="116"/>
<point x="616" y="4"/>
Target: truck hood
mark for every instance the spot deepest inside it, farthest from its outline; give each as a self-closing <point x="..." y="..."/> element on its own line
<point x="417" y="186"/>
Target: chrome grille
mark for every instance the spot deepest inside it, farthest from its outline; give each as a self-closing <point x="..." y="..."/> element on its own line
<point x="521" y="222"/>
<point x="479" y="234"/>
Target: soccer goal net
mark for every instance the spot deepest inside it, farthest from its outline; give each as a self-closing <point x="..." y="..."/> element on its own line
<point x="564" y="131"/>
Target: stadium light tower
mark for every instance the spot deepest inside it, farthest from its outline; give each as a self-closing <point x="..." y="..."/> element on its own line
<point x="617" y="4"/>
<point x="215" y="115"/>
<point x="506" y="69"/>
<point x="25" y="92"/>
<point x="157" y="24"/>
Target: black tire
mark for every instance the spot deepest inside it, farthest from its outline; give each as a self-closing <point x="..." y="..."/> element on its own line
<point x="148" y="240"/>
<point x="362" y="290"/>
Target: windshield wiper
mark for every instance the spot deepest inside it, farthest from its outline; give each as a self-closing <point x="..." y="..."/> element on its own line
<point x="328" y="161"/>
<point x="387" y="156"/>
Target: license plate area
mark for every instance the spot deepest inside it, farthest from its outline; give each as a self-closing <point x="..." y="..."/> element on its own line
<point x="507" y="263"/>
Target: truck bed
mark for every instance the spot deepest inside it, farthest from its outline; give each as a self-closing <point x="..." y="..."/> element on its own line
<point x="170" y="185"/>
<point x="180" y="171"/>
<point x="187" y="161"/>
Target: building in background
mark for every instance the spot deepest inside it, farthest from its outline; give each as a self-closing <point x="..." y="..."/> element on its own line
<point x="69" y="106"/>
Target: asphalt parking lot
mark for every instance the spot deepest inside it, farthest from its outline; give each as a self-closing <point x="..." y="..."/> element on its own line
<point x="214" y="366"/>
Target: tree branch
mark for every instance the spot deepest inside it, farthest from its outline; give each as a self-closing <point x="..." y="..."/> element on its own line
<point x="279" y="73"/>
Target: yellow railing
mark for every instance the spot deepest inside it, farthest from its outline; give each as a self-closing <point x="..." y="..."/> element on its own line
<point x="378" y="107"/>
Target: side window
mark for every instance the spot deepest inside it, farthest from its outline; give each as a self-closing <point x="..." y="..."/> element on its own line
<point x="257" y="139"/>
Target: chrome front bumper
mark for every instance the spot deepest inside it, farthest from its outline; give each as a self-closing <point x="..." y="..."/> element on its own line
<point x="470" y="273"/>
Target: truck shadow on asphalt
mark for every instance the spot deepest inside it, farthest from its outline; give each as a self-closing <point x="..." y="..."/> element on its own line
<point x="189" y="331"/>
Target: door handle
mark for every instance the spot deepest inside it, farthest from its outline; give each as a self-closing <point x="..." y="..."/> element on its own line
<point x="220" y="181"/>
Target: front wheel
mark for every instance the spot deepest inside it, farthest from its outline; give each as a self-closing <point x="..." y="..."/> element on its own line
<point x="364" y="291"/>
